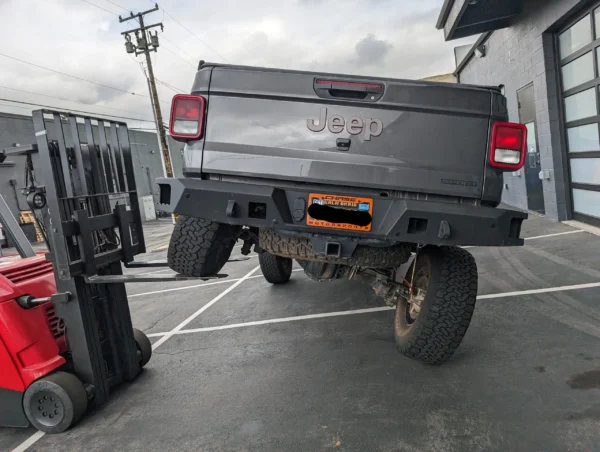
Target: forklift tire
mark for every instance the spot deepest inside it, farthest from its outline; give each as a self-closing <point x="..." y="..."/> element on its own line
<point x="445" y="291"/>
<point x="200" y="247"/>
<point x="143" y="345"/>
<point x="56" y="402"/>
<point x="275" y="269"/>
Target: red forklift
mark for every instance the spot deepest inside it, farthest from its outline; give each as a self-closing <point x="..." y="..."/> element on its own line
<point x="66" y="338"/>
<point x="38" y="385"/>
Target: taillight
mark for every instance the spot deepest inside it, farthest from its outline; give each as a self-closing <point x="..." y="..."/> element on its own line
<point x="187" y="117"/>
<point x="509" y="143"/>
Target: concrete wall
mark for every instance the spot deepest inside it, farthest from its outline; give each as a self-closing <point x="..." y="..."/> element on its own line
<point x="444" y="78"/>
<point x="515" y="57"/>
<point x="145" y="153"/>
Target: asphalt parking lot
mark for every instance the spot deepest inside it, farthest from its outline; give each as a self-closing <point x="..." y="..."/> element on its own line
<point x="242" y="365"/>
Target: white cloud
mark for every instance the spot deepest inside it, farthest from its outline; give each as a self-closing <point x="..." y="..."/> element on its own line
<point x="369" y="37"/>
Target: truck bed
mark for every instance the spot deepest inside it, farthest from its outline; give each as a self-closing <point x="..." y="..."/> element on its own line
<point x="380" y="133"/>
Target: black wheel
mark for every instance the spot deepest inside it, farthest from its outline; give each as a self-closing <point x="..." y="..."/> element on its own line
<point x="275" y="269"/>
<point x="200" y="247"/>
<point x="143" y="345"/>
<point x="56" y="402"/>
<point x="430" y="325"/>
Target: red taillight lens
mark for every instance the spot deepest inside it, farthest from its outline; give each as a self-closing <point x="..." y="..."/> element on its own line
<point x="187" y="117"/>
<point x="509" y="143"/>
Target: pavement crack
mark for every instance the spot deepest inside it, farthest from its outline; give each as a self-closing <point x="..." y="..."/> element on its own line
<point x="161" y="318"/>
<point x="179" y="352"/>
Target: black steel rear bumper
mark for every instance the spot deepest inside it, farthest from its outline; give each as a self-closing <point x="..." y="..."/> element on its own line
<point x="394" y="220"/>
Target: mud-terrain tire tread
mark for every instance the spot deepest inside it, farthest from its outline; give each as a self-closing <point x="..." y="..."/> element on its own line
<point x="275" y="269"/>
<point x="447" y="308"/>
<point x="200" y="247"/>
<point x="300" y="248"/>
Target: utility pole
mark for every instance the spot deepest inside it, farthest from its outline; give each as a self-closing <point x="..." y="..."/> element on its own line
<point x="162" y="161"/>
<point x="146" y="43"/>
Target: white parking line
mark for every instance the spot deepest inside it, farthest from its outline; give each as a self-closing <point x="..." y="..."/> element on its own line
<point x="237" y="281"/>
<point x="29" y="442"/>
<point x="536" y="237"/>
<point x="576" y="231"/>
<point x="536" y="291"/>
<point x="225" y="281"/>
<point x="169" y="270"/>
<point x="175" y="289"/>
<point x="368" y="310"/>
<point x="157" y="271"/>
<point x="166" y="336"/>
<point x="221" y="281"/>
<point x="202" y="309"/>
<point x="280" y="320"/>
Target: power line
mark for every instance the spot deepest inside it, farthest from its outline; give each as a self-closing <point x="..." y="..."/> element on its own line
<point x="78" y="78"/>
<point x="16" y="106"/>
<point x="193" y="34"/>
<point x="171" y="87"/>
<point x="167" y="86"/>
<point x="178" y="56"/>
<point x="73" y="76"/>
<point x="67" y="100"/>
<point x="177" y="47"/>
<point x="71" y="110"/>
<point x="99" y="7"/>
<point x="118" y="6"/>
<point x="147" y="43"/>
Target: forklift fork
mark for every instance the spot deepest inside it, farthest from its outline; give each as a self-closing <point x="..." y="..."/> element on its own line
<point x="88" y="201"/>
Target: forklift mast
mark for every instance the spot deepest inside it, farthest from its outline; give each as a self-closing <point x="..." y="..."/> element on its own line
<point x="92" y="222"/>
<point x="83" y="192"/>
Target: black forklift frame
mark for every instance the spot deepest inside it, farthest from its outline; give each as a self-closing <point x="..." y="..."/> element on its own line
<point x="89" y="207"/>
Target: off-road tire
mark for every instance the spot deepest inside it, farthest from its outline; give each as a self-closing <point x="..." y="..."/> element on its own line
<point x="200" y="247"/>
<point x="275" y="269"/>
<point x="300" y="248"/>
<point x="446" y="309"/>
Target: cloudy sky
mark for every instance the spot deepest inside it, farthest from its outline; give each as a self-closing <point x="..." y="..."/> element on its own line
<point x="395" y="38"/>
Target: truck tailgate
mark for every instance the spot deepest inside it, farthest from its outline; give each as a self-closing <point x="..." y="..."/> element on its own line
<point x="342" y="130"/>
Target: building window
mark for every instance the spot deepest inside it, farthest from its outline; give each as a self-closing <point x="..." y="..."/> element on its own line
<point x="578" y="71"/>
<point x="576" y="37"/>
<point x="579" y="55"/>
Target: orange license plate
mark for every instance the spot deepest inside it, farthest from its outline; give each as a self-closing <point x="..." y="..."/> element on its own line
<point x="349" y="203"/>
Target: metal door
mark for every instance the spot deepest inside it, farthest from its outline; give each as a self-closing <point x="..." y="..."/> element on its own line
<point x="532" y="168"/>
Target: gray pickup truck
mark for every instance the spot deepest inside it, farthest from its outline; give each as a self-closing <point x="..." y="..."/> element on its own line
<point x="365" y="178"/>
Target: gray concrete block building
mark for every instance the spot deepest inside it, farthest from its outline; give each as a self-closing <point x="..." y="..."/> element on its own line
<point x="546" y="54"/>
<point x="145" y="153"/>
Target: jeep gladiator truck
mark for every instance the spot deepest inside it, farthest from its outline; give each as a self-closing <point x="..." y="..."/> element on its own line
<point x="376" y="179"/>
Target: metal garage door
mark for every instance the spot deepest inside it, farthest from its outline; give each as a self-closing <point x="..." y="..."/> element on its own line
<point x="579" y="54"/>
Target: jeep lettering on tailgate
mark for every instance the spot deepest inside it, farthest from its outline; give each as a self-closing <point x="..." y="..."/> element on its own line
<point x="372" y="127"/>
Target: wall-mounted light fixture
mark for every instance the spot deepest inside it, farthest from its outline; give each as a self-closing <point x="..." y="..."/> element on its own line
<point x="480" y="51"/>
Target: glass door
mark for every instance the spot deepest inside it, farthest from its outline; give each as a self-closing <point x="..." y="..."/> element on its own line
<point x="579" y="56"/>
